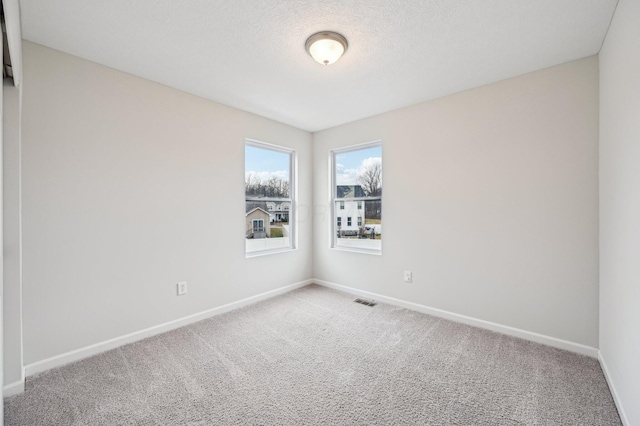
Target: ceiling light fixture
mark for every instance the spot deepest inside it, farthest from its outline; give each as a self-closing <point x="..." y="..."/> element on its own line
<point x="326" y="47"/>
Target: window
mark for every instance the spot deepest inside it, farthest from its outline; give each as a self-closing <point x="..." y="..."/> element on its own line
<point x="357" y="189"/>
<point x="269" y="197"/>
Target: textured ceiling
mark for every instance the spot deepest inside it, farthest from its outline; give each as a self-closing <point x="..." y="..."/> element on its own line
<point x="250" y="54"/>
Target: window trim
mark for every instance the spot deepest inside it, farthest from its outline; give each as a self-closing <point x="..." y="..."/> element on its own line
<point x="334" y="200"/>
<point x="292" y="211"/>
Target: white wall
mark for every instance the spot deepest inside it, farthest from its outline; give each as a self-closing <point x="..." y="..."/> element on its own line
<point x="13" y="372"/>
<point x="11" y="12"/>
<point x="490" y="198"/>
<point x="128" y="188"/>
<point x="620" y="207"/>
<point x="1" y="278"/>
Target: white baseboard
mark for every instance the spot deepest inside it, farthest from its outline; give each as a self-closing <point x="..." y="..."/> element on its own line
<point x="12" y="389"/>
<point x="97" y="348"/>
<point x="504" y="329"/>
<point x="78" y="354"/>
<point x="614" y="392"/>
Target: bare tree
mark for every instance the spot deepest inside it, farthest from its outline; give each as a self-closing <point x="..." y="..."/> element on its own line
<point x="371" y="180"/>
<point x="249" y="182"/>
<point x="274" y="187"/>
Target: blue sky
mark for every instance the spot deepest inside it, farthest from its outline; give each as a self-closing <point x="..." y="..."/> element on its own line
<point x="350" y="164"/>
<point x="265" y="163"/>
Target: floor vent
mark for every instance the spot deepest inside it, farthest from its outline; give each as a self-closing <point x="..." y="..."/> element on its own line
<point x="366" y="302"/>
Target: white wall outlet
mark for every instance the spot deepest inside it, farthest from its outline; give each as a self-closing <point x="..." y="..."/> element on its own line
<point x="182" y="288"/>
<point x="408" y="277"/>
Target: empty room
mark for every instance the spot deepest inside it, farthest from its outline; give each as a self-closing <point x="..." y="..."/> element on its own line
<point x="276" y="212"/>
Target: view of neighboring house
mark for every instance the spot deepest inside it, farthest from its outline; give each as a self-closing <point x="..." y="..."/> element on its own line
<point x="261" y="215"/>
<point x="350" y="214"/>
<point x="278" y="211"/>
<point x="258" y="223"/>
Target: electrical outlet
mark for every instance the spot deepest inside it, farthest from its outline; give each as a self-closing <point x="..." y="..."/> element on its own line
<point x="408" y="277"/>
<point x="182" y="288"/>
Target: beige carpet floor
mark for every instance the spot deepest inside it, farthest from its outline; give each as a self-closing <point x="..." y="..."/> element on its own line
<point x="314" y="357"/>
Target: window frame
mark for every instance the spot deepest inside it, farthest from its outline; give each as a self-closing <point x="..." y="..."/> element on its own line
<point x="334" y="197"/>
<point x="291" y="212"/>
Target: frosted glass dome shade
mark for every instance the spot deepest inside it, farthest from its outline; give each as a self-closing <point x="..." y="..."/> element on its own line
<point x="326" y="47"/>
